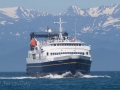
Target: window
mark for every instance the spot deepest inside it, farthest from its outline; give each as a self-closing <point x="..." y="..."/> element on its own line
<point x="79" y="44"/>
<point x="86" y="53"/>
<point x="54" y="44"/>
<point x="83" y="53"/>
<point x="34" y="56"/>
<point x="47" y="53"/>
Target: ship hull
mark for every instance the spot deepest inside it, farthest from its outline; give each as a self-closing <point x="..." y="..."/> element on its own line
<point x="59" y="67"/>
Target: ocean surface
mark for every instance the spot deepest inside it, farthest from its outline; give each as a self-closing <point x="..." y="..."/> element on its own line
<point x="95" y="81"/>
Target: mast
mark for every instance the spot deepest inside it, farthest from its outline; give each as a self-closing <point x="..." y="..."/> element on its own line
<point x="60" y="29"/>
<point x="75" y="29"/>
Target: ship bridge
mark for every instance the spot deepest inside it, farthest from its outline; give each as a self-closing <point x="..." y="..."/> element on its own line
<point x="46" y="34"/>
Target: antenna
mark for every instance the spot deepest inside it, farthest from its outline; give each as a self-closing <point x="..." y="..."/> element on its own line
<point x="60" y="29"/>
<point x="75" y="30"/>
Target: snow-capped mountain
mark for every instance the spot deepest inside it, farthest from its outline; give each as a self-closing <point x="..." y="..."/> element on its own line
<point x="17" y="21"/>
<point x="8" y="15"/>
<point x="93" y="12"/>
<point x="73" y="11"/>
<point x="98" y="18"/>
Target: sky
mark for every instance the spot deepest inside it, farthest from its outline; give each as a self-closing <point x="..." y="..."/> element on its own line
<point x="55" y="6"/>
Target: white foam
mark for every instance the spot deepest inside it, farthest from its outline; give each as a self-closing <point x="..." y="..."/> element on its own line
<point x="17" y="77"/>
<point x="64" y="75"/>
<point x="52" y="76"/>
<point x="95" y="76"/>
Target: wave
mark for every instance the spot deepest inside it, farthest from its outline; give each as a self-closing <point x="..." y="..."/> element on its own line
<point x="56" y="76"/>
<point x="95" y="76"/>
<point x="77" y="75"/>
<point x="21" y="77"/>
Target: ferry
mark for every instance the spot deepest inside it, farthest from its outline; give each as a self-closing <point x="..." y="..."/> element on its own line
<point x="57" y="54"/>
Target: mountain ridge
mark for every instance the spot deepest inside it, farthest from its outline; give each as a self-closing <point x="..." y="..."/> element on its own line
<point x="100" y="17"/>
<point x="98" y="21"/>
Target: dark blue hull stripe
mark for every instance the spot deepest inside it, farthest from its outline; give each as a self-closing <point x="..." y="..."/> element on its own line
<point x="55" y="64"/>
<point x="60" y="66"/>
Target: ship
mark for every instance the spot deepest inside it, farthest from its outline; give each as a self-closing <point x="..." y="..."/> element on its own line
<point x="57" y="54"/>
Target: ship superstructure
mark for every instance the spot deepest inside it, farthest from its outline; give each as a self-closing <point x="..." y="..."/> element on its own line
<point x="57" y="54"/>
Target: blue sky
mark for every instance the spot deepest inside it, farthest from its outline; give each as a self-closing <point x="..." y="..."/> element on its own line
<point x="55" y="6"/>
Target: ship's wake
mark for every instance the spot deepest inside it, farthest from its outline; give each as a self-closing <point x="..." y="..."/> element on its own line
<point x="56" y="76"/>
<point x="77" y="75"/>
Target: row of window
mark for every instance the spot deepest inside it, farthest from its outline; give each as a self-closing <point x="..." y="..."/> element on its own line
<point x="59" y="53"/>
<point x="66" y="44"/>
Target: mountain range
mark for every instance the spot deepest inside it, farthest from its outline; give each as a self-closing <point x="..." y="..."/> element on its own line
<point x="99" y="20"/>
<point x="103" y="16"/>
<point x="98" y="27"/>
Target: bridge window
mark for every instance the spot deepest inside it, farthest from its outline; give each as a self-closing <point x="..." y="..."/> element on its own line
<point x="47" y="53"/>
<point x="86" y="53"/>
<point x="51" y="53"/>
<point x="83" y="53"/>
<point x="34" y="56"/>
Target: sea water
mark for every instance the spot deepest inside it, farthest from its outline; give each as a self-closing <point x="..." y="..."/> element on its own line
<point x="94" y="81"/>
